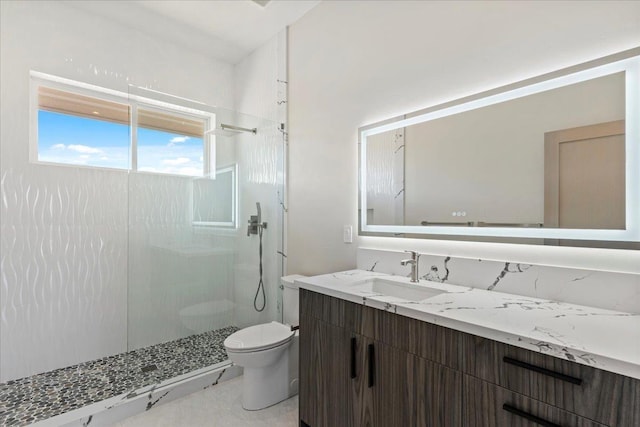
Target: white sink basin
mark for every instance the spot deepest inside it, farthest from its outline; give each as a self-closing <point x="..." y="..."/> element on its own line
<point x="405" y="291"/>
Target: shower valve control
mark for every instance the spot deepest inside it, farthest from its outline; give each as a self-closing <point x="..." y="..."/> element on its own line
<point x="255" y="222"/>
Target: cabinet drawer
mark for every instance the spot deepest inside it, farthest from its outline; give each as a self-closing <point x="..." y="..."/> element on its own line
<point x="603" y="396"/>
<point x="487" y="405"/>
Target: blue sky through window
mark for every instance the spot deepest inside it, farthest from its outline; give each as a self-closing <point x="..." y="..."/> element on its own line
<point x="166" y="152"/>
<point x="68" y="139"/>
<point x="77" y="140"/>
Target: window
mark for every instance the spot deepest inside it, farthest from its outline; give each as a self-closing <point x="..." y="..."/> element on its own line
<point x="81" y="130"/>
<point x="82" y="125"/>
<point x="169" y="143"/>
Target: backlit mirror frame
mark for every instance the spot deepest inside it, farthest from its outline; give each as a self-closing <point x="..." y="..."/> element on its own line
<point x="627" y="61"/>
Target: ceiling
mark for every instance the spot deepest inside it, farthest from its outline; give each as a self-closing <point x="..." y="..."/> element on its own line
<point x="228" y="30"/>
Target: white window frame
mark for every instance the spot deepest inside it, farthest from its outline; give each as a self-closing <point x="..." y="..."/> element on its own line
<point x="137" y="97"/>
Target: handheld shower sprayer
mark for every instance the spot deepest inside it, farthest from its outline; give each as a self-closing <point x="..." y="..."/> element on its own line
<point x="256" y="226"/>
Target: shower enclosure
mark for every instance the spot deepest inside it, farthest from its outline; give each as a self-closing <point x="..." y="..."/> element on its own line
<point x="133" y="278"/>
<point x="194" y="269"/>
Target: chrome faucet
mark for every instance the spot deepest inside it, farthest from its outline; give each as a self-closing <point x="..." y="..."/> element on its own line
<point x="415" y="256"/>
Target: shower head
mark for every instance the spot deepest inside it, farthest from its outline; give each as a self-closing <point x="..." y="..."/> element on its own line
<point x="230" y="130"/>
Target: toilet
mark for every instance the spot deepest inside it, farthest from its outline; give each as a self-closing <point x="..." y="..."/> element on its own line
<point x="269" y="354"/>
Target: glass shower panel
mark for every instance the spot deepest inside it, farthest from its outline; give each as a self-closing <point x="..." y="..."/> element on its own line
<point x="193" y="271"/>
<point x="260" y="160"/>
<point x="173" y="267"/>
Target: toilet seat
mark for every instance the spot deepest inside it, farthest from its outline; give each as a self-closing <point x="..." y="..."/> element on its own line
<point x="259" y="337"/>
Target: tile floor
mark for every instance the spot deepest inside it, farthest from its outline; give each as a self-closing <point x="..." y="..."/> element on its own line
<point x="218" y="406"/>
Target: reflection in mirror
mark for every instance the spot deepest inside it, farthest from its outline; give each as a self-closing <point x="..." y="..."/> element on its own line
<point x="488" y="165"/>
<point x="214" y="200"/>
<point x="552" y="158"/>
<point x="385" y="178"/>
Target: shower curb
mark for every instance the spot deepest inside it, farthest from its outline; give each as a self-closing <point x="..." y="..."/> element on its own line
<point x="117" y="408"/>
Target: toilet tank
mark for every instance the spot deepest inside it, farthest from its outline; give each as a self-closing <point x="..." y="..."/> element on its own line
<point x="290" y="299"/>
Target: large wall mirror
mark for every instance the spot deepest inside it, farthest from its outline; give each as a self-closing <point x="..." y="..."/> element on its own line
<point x="551" y="160"/>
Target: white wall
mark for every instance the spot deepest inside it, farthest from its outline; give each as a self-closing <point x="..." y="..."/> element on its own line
<point x="358" y="62"/>
<point x="63" y="288"/>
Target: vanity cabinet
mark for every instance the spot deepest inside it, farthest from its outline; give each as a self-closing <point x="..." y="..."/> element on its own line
<point x="347" y="379"/>
<point x="350" y="378"/>
<point x="361" y="366"/>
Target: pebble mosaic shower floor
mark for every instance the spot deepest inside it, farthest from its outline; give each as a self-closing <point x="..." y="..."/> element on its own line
<point x="30" y="399"/>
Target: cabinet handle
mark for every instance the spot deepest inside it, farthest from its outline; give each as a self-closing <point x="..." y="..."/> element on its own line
<point x="372" y="364"/>
<point x="352" y="363"/>
<point x="543" y="371"/>
<point x="528" y="416"/>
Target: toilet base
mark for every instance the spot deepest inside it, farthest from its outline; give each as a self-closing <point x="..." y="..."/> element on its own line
<point x="265" y="386"/>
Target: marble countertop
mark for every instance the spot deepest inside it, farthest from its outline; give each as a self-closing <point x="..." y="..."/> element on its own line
<point x="596" y="337"/>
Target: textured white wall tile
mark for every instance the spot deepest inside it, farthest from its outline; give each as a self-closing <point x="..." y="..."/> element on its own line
<point x="63" y="296"/>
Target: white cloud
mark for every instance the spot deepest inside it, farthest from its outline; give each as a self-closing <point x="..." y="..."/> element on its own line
<point x="83" y="149"/>
<point x="176" y="162"/>
<point x="58" y="147"/>
<point x="178" y="140"/>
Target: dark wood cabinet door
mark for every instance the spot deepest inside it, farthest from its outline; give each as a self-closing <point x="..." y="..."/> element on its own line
<point x="411" y="391"/>
<point x="387" y="391"/>
<point x="325" y="400"/>
<point x="438" y="394"/>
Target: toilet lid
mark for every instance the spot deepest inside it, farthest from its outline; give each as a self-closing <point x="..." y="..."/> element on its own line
<point x="257" y="337"/>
